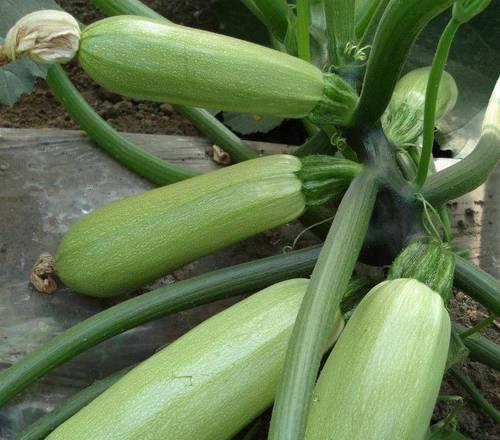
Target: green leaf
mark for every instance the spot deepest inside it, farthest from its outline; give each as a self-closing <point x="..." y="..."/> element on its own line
<point x="473" y="62"/>
<point x="243" y="123"/>
<point x="19" y="77"/>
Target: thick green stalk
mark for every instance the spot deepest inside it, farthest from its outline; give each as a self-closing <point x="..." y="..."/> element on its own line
<point x="183" y="295"/>
<point x="252" y="7"/>
<point x="277" y="14"/>
<point x="317" y="144"/>
<point x="480" y="400"/>
<point x="46" y="424"/>
<point x="365" y="10"/>
<point x="303" y="38"/>
<point x="202" y="119"/>
<point x="365" y="30"/>
<point x="431" y="97"/>
<point x="481" y="349"/>
<point x="466" y="175"/>
<point x="340" y="28"/>
<point x="478" y="284"/>
<point x="399" y="27"/>
<point x="310" y="334"/>
<point x="130" y="7"/>
<point x="141" y="162"/>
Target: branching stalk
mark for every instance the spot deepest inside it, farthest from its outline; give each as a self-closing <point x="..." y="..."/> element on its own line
<point x="317" y="144"/>
<point x="107" y="138"/>
<point x="330" y="277"/>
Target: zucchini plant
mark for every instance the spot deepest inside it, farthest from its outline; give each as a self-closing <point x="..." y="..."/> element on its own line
<point x="374" y="177"/>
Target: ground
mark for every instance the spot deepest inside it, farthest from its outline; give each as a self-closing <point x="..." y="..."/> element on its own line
<point x="41" y="110"/>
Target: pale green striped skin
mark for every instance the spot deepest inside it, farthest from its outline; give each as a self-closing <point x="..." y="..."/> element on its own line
<point x="382" y="379"/>
<point x="158" y="61"/>
<point x="208" y="384"/>
<point x="126" y="244"/>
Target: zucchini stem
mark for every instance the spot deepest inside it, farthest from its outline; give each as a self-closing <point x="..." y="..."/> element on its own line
<point x="398" y="29"/>
<point x="108" y="139"/>
<point x="466" y="175"/>
<point x="303" y="17"/>
<point x="478" y="327"/>
<point x="481" y="349"/>
<point x="478" y="284"/>
<point x="471" y="389"/>
<point x="314" y="321"/>
<point x="431" y="97"/>
<point x="319" y="143"/>
<point x="203" y="289"/>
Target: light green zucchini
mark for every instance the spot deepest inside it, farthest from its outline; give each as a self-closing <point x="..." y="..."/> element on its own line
<point x="382" y="379"/>
<point x="126" y="244"/>
<point x="208" y="384"/>
<point x="160" y="61"/>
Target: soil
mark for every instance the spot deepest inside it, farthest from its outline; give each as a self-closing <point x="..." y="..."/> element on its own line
<point x="42" y="110"/>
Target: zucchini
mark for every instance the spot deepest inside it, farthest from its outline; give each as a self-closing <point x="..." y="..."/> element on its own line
<point x="208" y="384"/>
<point x="382" y="379"/>
<point x="156" y="60"/>
<point x="129" y="243"/>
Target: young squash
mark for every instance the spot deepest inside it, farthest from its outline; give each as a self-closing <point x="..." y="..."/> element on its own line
<point x="160" y="61"/>
<point x="208" y="384"/>
<point x="126" y="244"/>
<point x="382" y="379"/>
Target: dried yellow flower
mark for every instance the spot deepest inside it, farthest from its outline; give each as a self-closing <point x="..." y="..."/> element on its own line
<point x="48" y="37"/>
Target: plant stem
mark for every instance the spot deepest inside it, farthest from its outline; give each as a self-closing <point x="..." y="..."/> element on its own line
<point x="117" y="146"/>
<point x="480" y="400"/>
<point x="252" y="7"/>
<point x="215" y="130"/>
<point x="314" y="321"/>
<point x="398" y="29"/>
<point x="303" y="45"/>
<point x="203" y="289"/>
<point x="445" y="220"/>
<point x="130" y="7"/>
<point x="340" y="28"/>
<point x="478" y="284"/>
<point x="481" y="349"/>
<point x="478" y="327"/>
<point x="466" y="175"/>
<point x="366" y="29"/>
<point x="276" y="14"/>
<point x="46" y="424"/>
<point x="316" y="144"/>
<point x="431" y="97"/>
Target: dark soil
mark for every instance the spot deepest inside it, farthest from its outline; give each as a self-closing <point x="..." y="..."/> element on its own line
<point x="42" y="110"/>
